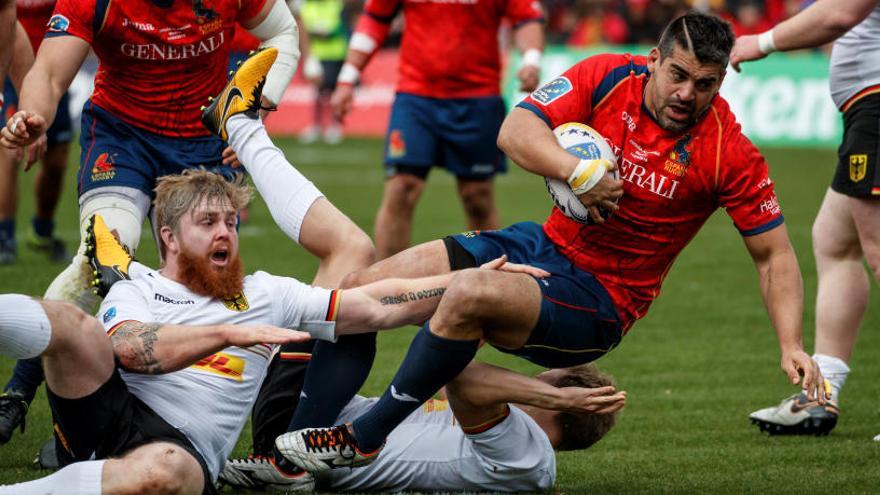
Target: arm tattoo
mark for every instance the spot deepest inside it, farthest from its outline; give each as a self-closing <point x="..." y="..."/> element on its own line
<point x="133" y="344"/>
<point x="412" y="296"/>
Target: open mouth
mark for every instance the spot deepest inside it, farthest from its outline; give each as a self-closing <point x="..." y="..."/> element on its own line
<point x="679" y="112"/>
<point x="220" y="257"/>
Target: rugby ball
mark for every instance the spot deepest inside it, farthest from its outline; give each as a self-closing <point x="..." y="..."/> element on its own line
<point x="583" y="142"/>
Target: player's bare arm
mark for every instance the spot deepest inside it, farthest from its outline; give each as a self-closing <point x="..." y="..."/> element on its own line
<point x="155" y="348"/>
<point x="540" y="154"/>
<point x="483" y="386"/>
<point x="529" y="38"/>
<point x="22" y="57"/>
<point x="820" y="23"/>
<point x="55" y="67"/>
<point x="783" y="291"/>
<point x="395" y="302"/>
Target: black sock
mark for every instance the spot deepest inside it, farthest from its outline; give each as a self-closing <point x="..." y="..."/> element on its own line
<point x="431" y="362"/>
<point x="336" y="372"/>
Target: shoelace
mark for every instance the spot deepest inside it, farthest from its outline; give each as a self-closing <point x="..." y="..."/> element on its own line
<point x="336" y="438"/>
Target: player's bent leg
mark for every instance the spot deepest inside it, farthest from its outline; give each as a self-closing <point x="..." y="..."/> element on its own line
<point x="478" y="200"/>
<point x="124" y="210"/>
<point x="157" y="468"/>
<point x="338" y="242"/>
<point x="8" y="207"/>
<point x="79" y="357"/>
<point x="393" y="228"/>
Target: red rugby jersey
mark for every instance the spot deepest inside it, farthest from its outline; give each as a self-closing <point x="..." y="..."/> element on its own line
<point x="673" y="182"/>
<point x="449" y="47"/>
<point x="158" y="65"/>
<point x="34" y="15"/>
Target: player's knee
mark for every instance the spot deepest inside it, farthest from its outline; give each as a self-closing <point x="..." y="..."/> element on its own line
<point x="165" y="468"/>
<point x="477" y="199"/>
<point x="359" y="248"/>
<point x="402" y="191"/>
<point x="467" y="295"/>
<point x="834" y="247"/>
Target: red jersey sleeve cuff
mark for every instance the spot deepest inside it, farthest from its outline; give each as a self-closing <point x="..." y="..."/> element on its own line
<point x="772" y="224"/>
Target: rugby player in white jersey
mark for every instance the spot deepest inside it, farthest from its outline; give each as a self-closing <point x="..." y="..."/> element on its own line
<point x="497" y="431"/>
<point x="169" y="386"/>
<point x="847" y="227"/>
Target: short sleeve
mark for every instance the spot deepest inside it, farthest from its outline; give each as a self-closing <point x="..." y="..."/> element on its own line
<point x="522" y="11"/>
<point x="76" y="18"/>
<point x="301" y="306"/>
<point x="124" y="302"/>
<point x="250" y="8"/>
<point x="572" y="96"/>
<point x="746" y="191"/>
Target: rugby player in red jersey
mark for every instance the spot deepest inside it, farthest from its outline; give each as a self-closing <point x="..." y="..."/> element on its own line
<point x="447" y="110"/>
<point x="682" y="156"/>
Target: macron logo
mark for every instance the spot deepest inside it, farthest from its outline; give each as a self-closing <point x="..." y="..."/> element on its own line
<point x="404" y="397"/>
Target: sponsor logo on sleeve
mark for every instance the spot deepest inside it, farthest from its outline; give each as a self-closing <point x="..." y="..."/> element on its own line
<point x="58" y="24"/>
<point x="110" y="314"/>
<point x="551" y="91"/>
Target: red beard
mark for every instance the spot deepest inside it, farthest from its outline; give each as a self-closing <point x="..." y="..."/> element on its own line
<point x="200" y="276"/>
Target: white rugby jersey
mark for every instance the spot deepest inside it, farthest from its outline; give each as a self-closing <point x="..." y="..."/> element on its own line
<point x="430" y="452"/>
<point x="210" y="401"/>
<point x="855" y="61"/>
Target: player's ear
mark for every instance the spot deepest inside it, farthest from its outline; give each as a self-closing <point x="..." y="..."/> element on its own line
<point x="653" y="59"/>
<point x="168" y="239"/>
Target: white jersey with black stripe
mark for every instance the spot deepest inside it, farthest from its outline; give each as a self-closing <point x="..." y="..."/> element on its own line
<point x="210" y="401"/>
<point x="855" y="59"/>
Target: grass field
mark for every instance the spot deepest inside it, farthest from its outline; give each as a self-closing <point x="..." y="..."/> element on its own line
<point x="694" y="368"/>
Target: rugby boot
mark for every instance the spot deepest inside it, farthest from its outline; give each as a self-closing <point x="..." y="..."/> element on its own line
<point x="260" y="473"/>
<point x="109" y="259"/>
<point x="241" y="94"/>
<point x="13" y="409"/>
<point x="797" y="415"/>
<point x="321" y="449"/>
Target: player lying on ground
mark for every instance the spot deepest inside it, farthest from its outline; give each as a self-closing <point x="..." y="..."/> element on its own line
<point x="189" y="363"/>
<point x="681" y="154"/>
<point x="497" y="432"/>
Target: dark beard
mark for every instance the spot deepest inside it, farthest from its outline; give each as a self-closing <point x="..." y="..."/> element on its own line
<point x="200" y="276"/>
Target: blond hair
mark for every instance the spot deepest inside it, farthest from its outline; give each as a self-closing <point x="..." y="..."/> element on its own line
<point x="177" y="195"/>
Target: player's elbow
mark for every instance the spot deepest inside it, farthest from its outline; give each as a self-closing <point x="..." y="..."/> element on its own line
<point x="841" y="20"/>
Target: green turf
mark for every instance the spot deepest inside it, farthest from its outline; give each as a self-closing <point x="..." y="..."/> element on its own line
<point x="694" y="368"/>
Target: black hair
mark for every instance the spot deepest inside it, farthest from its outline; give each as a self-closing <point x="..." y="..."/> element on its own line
<point x="709" y="38"/>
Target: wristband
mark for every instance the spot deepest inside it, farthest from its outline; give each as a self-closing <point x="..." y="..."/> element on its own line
<point x="587" y="174"/>
<point x="765" y="42"/>
<point x="532" y="57"/>
<point x="349" y="74"/>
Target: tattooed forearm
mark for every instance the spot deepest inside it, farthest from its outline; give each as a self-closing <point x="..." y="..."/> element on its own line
<point x="413" y="296"/>
<point x="134" y="347"/>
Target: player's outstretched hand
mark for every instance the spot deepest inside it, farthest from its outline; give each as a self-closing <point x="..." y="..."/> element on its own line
<point x="799" y="365"/>
<point x="248" y="335"/>
<point x="602" y="400"/>
<point x="744" y="50"/>
<point x="501" y="264"/>
<point x="528" y="76"/>
<point x="606" y="193"/>
<point x="22" y="129"/>
<point x="342" y="100"/>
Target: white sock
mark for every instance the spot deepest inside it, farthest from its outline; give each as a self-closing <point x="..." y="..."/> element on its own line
<point x="79" y="478"/>
<point x="287" y="193"/>
<point x="24" y="327"/>
<point x="834" y="370"/>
